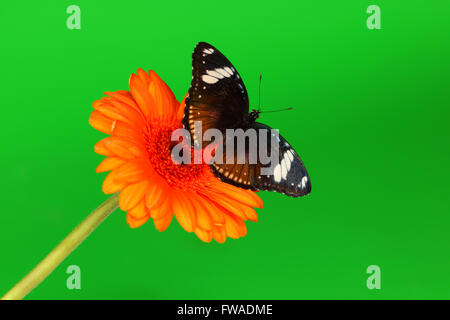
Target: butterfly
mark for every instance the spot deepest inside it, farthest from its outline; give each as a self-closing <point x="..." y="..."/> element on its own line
<point x="218" y="98"/>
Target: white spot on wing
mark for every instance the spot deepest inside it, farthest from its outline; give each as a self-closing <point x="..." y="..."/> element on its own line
<point x="227" y="69"/>
<point x="283" y="169"/>
<point x="223" y="72"/>
<point x="287" y="160"/>
<point x="214" y="74"/>
<point x="290" y="154"/>
<point x="208" y="51"/>
<point x="209" y="79"/>
<point x="304" y="181"/>
<point x="277" y="173"/>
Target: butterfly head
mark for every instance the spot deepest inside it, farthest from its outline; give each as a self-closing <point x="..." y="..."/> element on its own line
<point x="253" y="115"/>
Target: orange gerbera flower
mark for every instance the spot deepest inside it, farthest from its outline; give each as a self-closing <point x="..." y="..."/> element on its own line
<point x="140" y="122"/>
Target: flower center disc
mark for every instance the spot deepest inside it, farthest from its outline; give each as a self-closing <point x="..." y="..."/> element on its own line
<point x="180" y="175"/>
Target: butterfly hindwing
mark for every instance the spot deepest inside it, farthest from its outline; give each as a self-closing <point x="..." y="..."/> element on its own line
<point x="238" y="170"/>
<point x="289" y="175"/>
<point x="217" y="96"/>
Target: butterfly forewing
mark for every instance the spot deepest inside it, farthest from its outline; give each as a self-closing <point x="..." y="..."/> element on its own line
<point x="217" y="96"/>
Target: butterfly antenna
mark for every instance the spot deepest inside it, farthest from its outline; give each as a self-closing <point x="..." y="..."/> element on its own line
<point x="259" y="100"/>
<point x="259" y="93"/>
<point x="277" y="110"/>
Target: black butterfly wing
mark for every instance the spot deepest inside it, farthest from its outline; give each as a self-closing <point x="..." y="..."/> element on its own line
<point x="217" y="96"/>
<point x="289" y="175"/>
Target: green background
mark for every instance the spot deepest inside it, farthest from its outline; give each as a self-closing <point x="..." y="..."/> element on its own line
<point x="370" y="120"/>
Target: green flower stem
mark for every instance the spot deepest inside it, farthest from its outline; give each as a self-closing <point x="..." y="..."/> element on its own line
<point x="57" y="255"/>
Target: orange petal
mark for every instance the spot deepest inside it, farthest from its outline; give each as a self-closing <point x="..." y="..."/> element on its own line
<point x="184" y="212"/>
<point x="204" y="220"/>
<point x="130" y="172"/>
<point x="246" y="197"/>
<point x="143" y="76"/>
<point x="163" y="223"/>
<point x="110" y="185"/>
<point x="109" y="164"/>
<point x="140" y="93"/>
<point x="124" y="130"/>
<point x="233" y="229"/>
<point x="134" y="223"/>
<point x="237" y="208"/>
<point x="132" y="194"/>
<point x="180" y="108"/>
<point x="164" y="209"/>
<point x="159" y="98"/>
<point x="243" y="227"/>
<point x="139" y="211"/>
<point x="229" y="204"/>
<point x="132" y="116"/>
<point x="155" y="195"/>
<point x="162" y="95"/>
<point x="123" y="148"/>
<point x="105" y="107"/>
<point x="101" y="123"/>
<point x="250" y="213"/>
<point x="205" y="236"/>
<point x="124" y="97"/>
<point x="256" y="197"/>
<point x="219" y="234"/>
<point x="100" y="148"/>
<point x="214" y="211"/>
